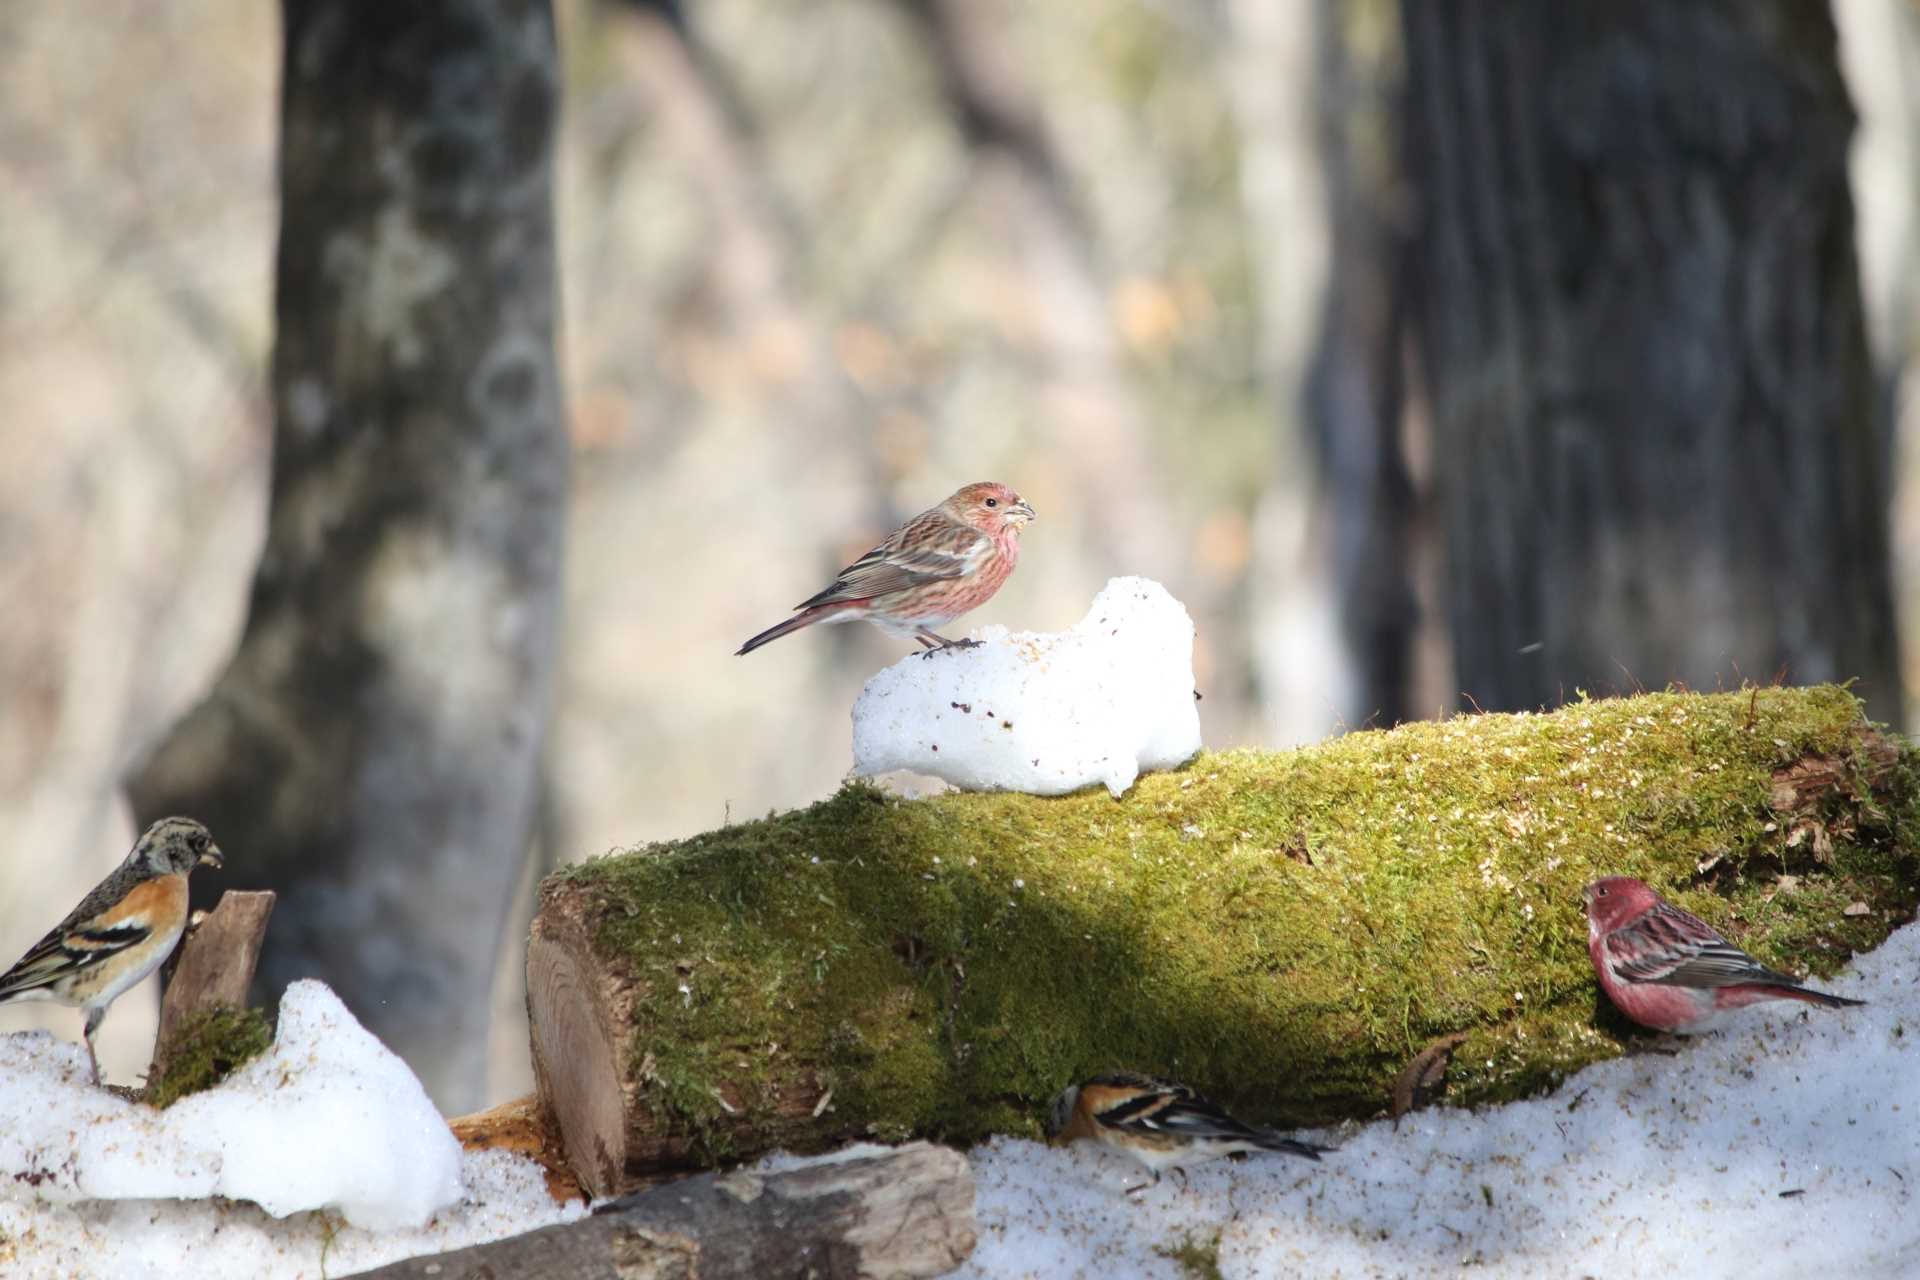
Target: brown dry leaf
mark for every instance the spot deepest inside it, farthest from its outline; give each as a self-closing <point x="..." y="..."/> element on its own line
<point x="1424" y="1078"/>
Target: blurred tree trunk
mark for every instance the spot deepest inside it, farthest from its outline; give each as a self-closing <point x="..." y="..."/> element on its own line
<point x="1639" y="312"/>
<point x="371" y="751"/>
<point x="1355" y="391"/>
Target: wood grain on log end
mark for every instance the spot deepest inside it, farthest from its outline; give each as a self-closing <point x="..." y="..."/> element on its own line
<point x="525" y="1127"/>
<point x="578" y="1057"/>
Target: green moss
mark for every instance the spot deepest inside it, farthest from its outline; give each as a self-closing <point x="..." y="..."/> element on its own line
<point x="1199" y="1259"/>
<point x="1281" y="929"/>
<point x="210" y="1047"/>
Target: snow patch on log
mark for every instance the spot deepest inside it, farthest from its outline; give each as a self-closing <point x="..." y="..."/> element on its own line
<point x="328" y="1118"/>
<point x="1043" y="713"/>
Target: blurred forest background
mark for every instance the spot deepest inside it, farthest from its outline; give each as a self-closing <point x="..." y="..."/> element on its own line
<point x="1436" y="356"/>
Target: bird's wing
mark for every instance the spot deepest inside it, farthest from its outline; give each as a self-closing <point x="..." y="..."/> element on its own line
<point x="927" y="548"/>
<point x="122" y="912"/>
<point x="1137" y="1104"/>
<point x="1676" y="948"/>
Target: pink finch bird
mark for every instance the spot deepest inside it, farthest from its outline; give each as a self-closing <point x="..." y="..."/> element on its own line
<point x="929" y="571"/>
<point x="1672" y="971"/>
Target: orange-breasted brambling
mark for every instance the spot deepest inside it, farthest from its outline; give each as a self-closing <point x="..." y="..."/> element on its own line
<point x="121" y="931"/>
<point x="1159" y="1123"/>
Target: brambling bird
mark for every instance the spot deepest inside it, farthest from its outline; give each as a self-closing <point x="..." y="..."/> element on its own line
<point x="1668" y="969"/>
<point x="1159" y="1123"/>
<point x="121" y="931"/>
<point x="942" y="563"/>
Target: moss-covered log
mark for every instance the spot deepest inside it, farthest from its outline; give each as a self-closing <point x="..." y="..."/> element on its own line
<point x="1284" y="930"/>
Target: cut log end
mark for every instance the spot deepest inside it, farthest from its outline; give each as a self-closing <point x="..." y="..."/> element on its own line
<point x="577" y="1059"/>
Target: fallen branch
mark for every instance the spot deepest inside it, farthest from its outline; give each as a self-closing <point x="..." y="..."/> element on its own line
<point x="904" y="1213"/>
<point x="941" y="967"/>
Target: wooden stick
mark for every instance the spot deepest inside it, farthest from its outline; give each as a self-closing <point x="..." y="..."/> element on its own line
<point x="904" y="1213"/>
<point x="213" y="967"/>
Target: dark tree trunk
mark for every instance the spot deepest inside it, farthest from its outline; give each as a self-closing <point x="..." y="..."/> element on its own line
<point x="370" y="752"/>
<point x="1354" y="394"/>
<point x="1640" y="318"/>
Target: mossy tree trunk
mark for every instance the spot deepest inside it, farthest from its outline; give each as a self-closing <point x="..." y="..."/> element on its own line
<point x="1639" y="318"/>
<point x="1285" y="931"/>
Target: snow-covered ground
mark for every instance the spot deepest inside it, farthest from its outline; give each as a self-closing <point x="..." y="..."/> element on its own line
<point x="1786" y="1146"/>
<point x="321" y="1157"/>
<point x="1042" y="712"/>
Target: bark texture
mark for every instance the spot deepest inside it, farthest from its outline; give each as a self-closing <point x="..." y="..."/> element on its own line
<point x="898" y="1214"/>
<point x="1640" y="315"/>
<point x="1284" y="931"/>
<point x="370" y="751"/>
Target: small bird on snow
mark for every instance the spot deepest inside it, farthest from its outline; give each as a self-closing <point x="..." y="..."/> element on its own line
<point x="1669" y="970"/>
<point x="1159" y="1123"/>
<point x="121" y="931"/>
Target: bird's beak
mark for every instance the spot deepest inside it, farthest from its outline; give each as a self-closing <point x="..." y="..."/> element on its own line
<point x="1022" y="510"/>
<point x="212" y="858"/>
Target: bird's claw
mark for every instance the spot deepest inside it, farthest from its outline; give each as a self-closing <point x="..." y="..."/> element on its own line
<point x="1663" y="1046"/>
<point x="948" y="645"/>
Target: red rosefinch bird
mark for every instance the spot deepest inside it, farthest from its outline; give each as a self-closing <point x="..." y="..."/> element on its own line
<point x="1670" y="970"/>
<point x="1159" y="1123"/>
<point x="929" y="571"/>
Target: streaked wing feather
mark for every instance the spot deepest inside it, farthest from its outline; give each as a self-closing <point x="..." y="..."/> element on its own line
<point x="1675" y="948"/>
<point x="1174" y="1110"/>
<point x="71" y="945"/>
<point x="929" y="548"/>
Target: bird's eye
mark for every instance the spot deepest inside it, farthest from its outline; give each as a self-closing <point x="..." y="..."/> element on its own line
<point x="1600" y="892"/>
<point x="993" y="502"/>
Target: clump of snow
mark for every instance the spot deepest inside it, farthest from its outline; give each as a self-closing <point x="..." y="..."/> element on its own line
<point x="1045" y="713"/>
<point x="1788" y="1145"/>
<point x="328" y="1118"/>
<point x="506" y="1194"/>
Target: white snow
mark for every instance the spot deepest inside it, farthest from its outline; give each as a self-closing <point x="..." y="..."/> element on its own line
<point x="1045" y="713"/>
<point x="1645" y="1166"/>
<point x="226" y="1182"/>
<point x="327" y="1118"/>
<point x="1648" y="1166"/>
<point x="232" y="1240"/>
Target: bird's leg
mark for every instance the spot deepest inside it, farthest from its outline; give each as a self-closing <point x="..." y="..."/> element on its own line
<point x="1134" y="1191"/>
<point x="1183" y="1176"/>
<point x="936" y="642"/>
<point x="1666" y="1046"/>
<point x="93" y="1024"/>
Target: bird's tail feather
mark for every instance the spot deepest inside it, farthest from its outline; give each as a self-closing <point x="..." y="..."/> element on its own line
<point x="1292" y="1146"/>
<point x="805" y="618"/>
<point x="1811" y="996"/>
